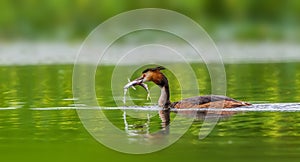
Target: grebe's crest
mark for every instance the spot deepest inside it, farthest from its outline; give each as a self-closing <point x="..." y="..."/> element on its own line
<point x="154" y="69"/>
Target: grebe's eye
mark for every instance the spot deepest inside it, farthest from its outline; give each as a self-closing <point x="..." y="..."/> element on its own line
<point x="144" y="75"/>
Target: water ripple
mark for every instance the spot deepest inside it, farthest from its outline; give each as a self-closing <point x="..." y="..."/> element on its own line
<point x="270" y="107"/>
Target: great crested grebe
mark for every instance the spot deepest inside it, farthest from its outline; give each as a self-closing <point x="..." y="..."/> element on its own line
<point x="217" y="101"/>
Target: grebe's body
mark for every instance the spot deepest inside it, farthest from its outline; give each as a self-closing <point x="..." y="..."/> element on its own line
<point x="217" y="101"/>
<point x="208" y="101"/>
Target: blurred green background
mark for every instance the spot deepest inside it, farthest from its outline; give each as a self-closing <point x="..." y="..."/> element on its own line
<point x="71" y="20"/>
<point x="29" y="133"/>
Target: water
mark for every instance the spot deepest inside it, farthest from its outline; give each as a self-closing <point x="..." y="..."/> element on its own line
<point x="38" y="120"/>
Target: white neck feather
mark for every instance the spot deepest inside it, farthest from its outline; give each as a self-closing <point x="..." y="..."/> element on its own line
<point x="163" y="99"/>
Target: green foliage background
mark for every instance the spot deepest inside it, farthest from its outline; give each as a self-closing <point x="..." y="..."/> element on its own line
<point x="223" y="19"/>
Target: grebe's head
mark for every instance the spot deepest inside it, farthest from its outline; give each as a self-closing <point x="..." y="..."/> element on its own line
<point x="153" y="74"/>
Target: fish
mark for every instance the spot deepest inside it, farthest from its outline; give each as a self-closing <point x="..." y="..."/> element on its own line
<point x="132" y="84"/>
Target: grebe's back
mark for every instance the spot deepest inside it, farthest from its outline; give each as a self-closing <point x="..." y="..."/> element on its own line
<point x="216" y="101"/>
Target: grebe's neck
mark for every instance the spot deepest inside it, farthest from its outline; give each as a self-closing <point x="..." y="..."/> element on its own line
<point x="164" y="99"/>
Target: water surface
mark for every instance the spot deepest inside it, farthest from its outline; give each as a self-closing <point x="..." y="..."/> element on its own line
<point x="39" y="122"/>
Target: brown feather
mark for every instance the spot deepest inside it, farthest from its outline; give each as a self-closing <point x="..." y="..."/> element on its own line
<point x="214" y="104"/>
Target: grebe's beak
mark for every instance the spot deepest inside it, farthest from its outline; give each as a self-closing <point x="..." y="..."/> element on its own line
<point x="140" y="79"/>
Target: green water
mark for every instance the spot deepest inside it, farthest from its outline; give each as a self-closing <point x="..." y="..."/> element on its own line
<point x="30" y="134"/>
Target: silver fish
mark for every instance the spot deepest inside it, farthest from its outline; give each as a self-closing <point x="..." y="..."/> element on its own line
<point x="132" y="84"/>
